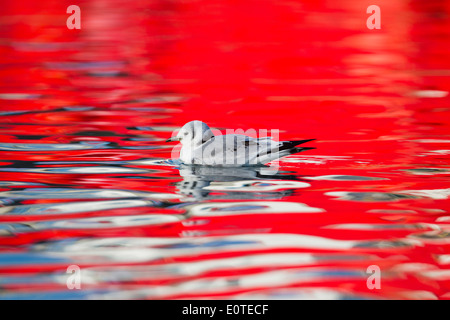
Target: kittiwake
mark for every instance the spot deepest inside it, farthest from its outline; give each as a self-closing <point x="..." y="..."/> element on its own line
<point x="201" y="147"/>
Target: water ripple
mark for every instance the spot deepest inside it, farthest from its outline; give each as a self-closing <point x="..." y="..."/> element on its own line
<point x="73" y="207"/>
<point x="80" y="170"/>
<point x="52" y="146"/>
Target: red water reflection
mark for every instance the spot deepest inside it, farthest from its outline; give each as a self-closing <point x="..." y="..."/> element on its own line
<point x="85" y="113"/>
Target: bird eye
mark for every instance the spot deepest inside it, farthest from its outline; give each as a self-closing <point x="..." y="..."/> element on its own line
<point x="185" y="133"/>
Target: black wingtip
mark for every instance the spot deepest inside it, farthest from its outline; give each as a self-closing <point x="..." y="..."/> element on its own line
<point x="286" y="145"/>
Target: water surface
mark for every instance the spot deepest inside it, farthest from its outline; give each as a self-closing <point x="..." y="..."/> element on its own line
<point x="87" y="179"/>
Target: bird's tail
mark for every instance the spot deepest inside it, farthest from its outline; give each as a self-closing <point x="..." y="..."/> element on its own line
<point x="286" y="148"/>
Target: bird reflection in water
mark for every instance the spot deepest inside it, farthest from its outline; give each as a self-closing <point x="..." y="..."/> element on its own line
<point x="245" y="183"/>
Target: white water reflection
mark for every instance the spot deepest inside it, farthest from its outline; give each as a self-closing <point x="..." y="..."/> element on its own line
<point x="370" y="196"/>
<point x="107" y="222"/>
<point x="74" y="207"/>
<point x="437" y="194"/>
<point x="367" y="226"/>
<point x="70" y="193"/>
<point x="268" y="279"/>
<point x="149" y="249"/>
<point x="197" y="268"/>
<point x="118" y="273"/>
<point x="248" y="207"/>
<point x="428" y="171"/>
<point x="80" y="170"/>
<point x="256" y="185"/>
<point x="51" y="147"/>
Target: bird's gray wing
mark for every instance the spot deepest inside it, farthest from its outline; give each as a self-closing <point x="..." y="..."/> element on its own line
<point x="234" y="150"/>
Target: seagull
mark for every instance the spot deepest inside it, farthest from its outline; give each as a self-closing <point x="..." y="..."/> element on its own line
<point x="201" y="147"/>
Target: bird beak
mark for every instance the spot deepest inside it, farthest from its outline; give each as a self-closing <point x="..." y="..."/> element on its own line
<point x="173" y="139"/>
